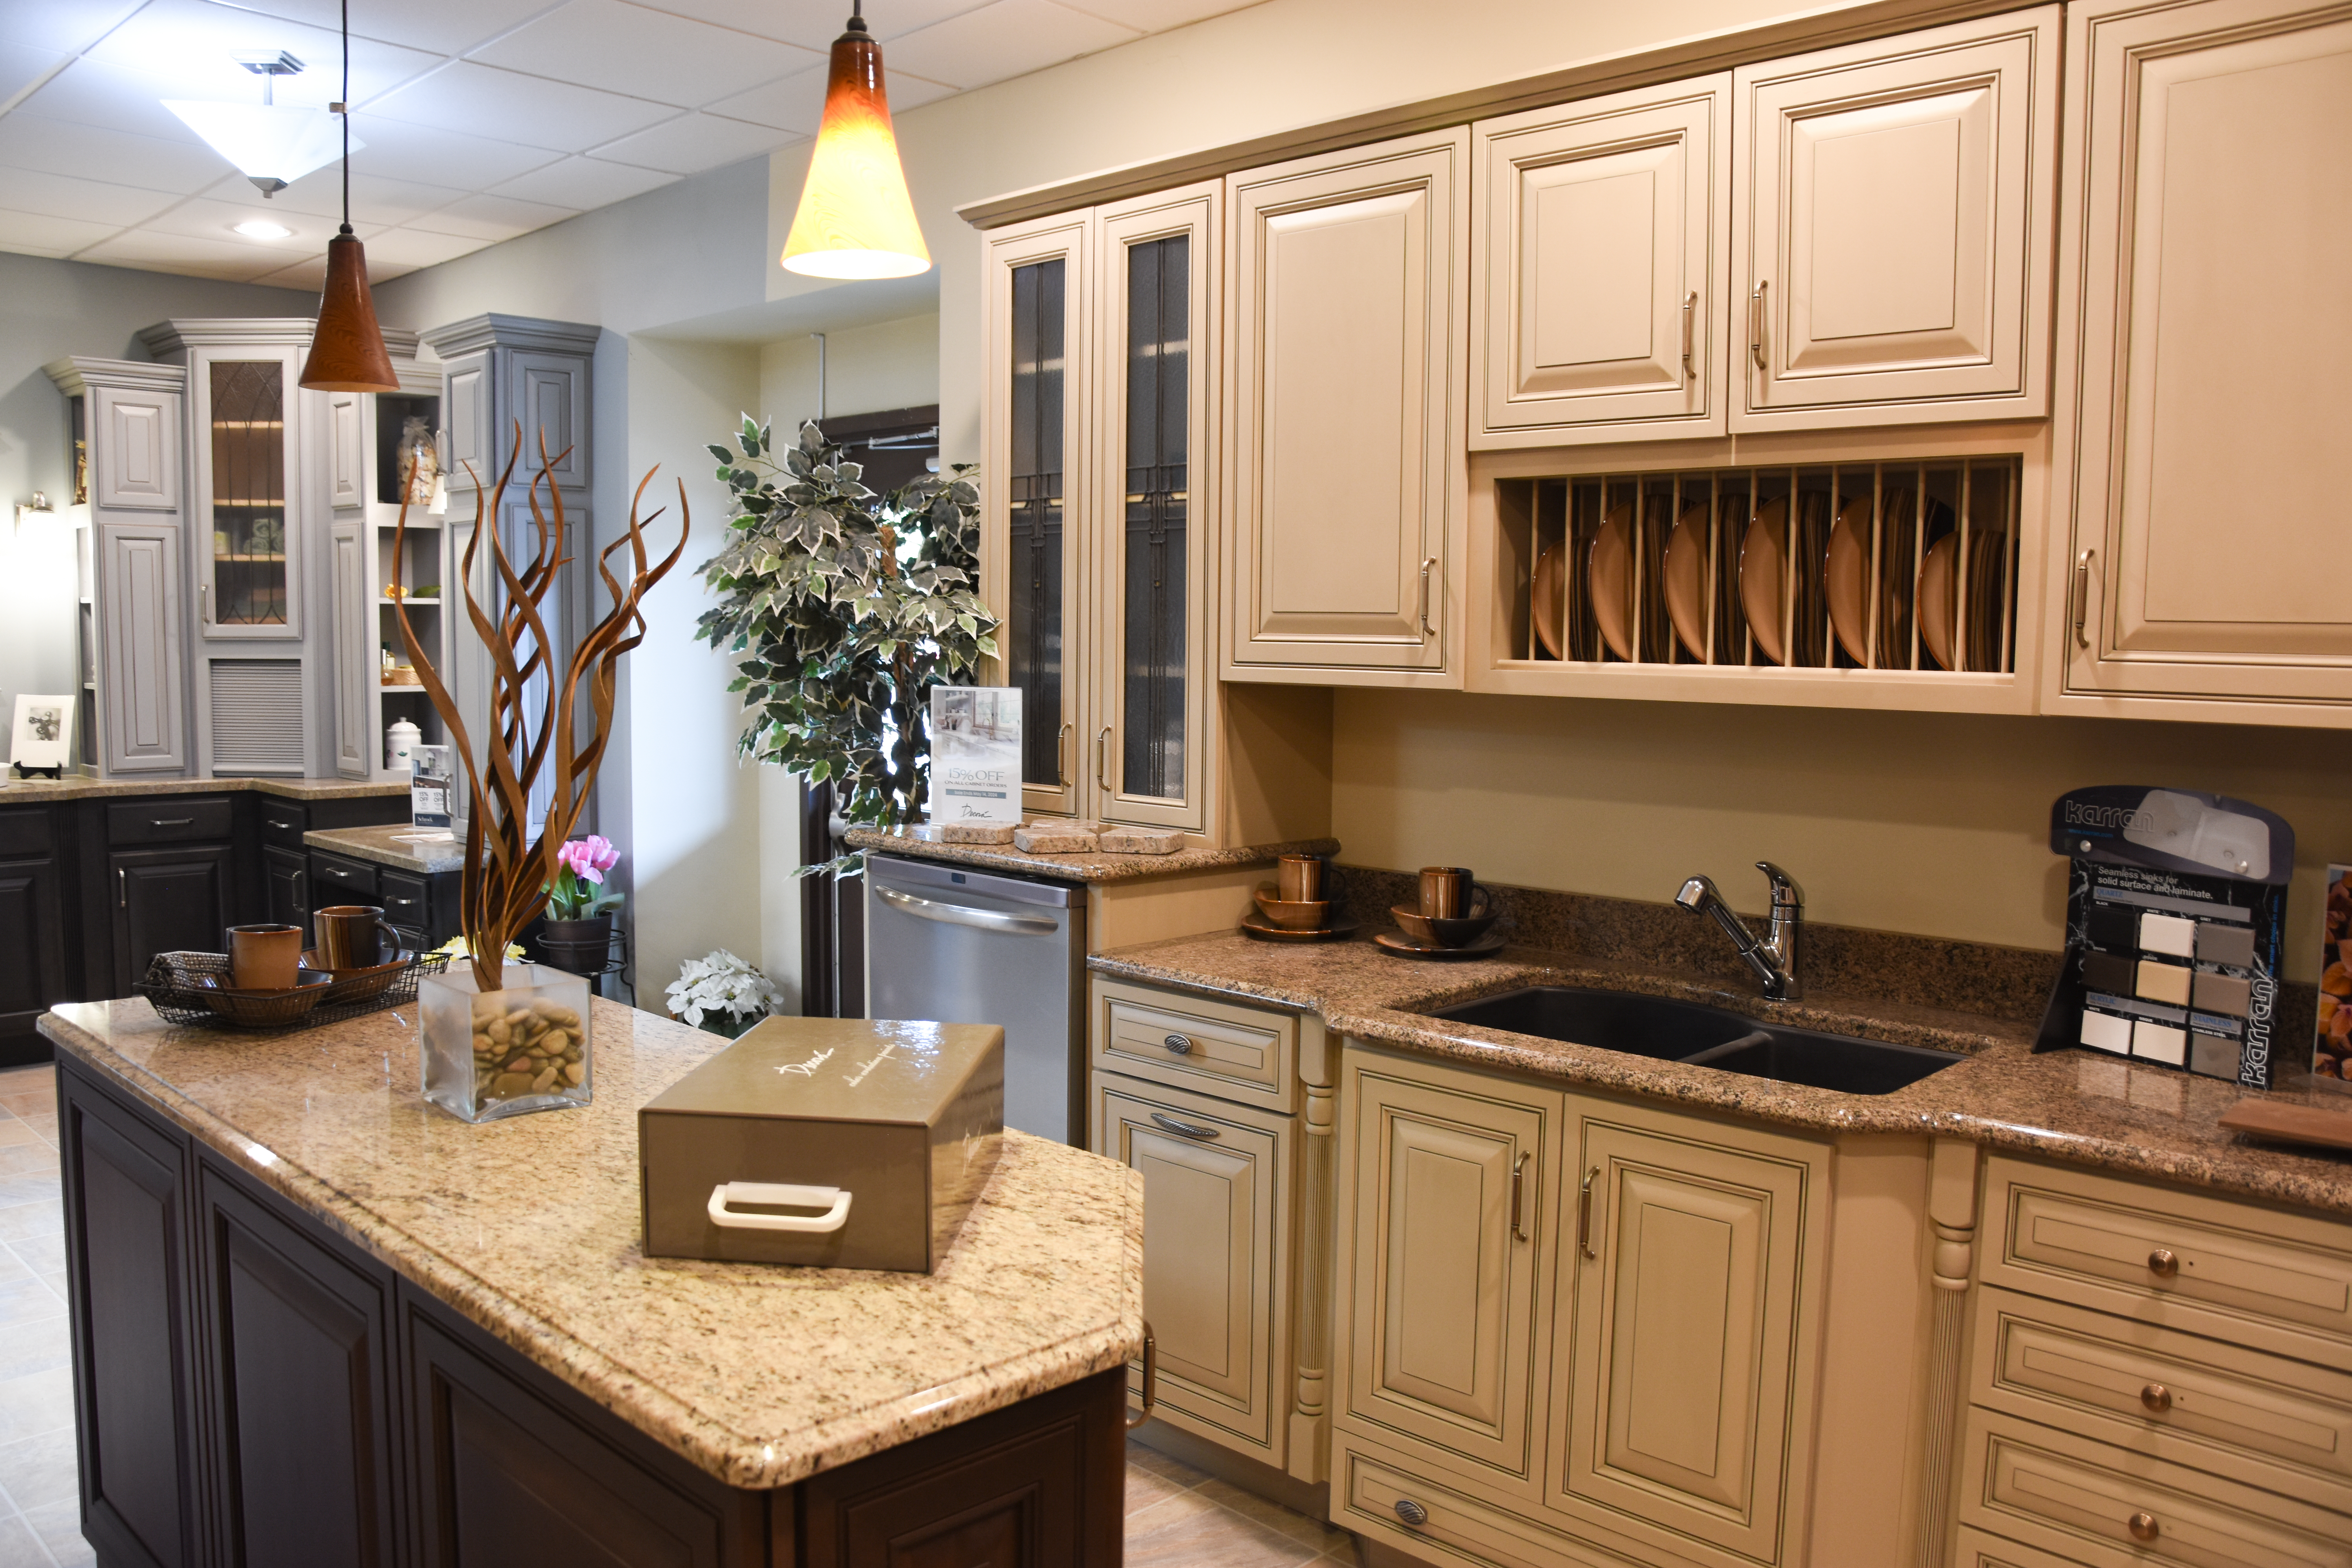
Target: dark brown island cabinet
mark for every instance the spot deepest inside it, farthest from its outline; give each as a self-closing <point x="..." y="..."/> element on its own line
<point x="254" y="1389"/>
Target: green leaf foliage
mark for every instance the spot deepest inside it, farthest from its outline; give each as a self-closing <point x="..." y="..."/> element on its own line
<point x="844" y="607"/>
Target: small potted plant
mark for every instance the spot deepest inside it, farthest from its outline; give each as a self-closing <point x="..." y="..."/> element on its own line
<point x="576" y="935"/>
<point x="722" y="994"/>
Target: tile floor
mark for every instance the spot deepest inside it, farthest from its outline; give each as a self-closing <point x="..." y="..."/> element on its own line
<point x="1175" y="1514"/>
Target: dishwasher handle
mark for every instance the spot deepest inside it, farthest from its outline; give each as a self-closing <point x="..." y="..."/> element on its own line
<point x="965" y="915"/>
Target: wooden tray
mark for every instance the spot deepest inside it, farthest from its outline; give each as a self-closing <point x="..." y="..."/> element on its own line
<point x="2294" y="1123"/>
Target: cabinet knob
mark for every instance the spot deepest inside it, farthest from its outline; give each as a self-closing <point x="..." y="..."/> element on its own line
<point x="1179" y="1044"/>
<point x="2157" y="1398"/>
<point x="1411" y="1512"/>
<point x="2164" y="1263"/>
<point x="2143" y="1526"/>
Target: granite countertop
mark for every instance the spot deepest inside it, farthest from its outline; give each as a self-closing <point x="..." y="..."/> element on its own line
<point x="390" y="846"/>
<point x="1096" y="867"/>
<point x="2072" y="1105"/>
<point x="758" y="1374"/>
<point x="74" y="788"/>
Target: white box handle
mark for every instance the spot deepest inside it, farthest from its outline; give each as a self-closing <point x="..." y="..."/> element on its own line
<point x="833" y="1200"/>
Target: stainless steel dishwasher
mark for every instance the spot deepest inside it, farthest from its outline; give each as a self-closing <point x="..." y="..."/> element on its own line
<point x="958" y="946"/>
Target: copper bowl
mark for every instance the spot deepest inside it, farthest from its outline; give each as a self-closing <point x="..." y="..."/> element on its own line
<point x="1460" y="931"/>
<point x="262" y="1009"/>
<point x="1293" y="915"/>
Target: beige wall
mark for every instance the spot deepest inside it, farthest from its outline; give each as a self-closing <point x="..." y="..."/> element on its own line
<point x="889" y="365"/>
<point x="1933" y="824"/>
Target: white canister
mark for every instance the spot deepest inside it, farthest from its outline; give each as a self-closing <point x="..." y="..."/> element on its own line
<point x="400" y="743"/>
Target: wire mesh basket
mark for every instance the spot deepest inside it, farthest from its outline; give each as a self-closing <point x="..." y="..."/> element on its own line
<point x="192" y="988"/>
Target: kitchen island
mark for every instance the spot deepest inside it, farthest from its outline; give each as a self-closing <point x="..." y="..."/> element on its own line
<point x="318" y="1321"/>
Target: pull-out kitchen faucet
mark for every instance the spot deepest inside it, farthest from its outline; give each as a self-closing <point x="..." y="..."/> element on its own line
<point x="1774" y="959"/>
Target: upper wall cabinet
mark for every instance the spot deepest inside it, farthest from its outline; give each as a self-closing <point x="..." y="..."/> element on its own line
<point x="1603" y="251"/>
<point x="1890" y="218"/>
<point x="1345" y="360"/>
<point x="2206" y="326"/>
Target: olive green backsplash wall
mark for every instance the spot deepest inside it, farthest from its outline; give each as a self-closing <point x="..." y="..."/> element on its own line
<point x="1935" y="823"/>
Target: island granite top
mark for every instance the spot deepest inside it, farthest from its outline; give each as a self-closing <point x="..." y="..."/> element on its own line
<point x="77" y="787"/>
<point x="2072" y="1105"/>
<point x="758" y="1374"/>
<point x="393" y="845"/>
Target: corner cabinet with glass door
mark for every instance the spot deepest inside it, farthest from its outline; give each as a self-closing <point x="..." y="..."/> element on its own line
<point x="1099" y="417"/>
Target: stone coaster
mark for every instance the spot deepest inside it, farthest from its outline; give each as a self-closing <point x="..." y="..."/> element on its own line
<point x="1057" y="837"/>
<point x="973" y="833"/>
<point x="1141" y="841"/>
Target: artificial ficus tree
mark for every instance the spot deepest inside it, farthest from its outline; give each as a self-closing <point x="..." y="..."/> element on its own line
<point x="844" y="607"/>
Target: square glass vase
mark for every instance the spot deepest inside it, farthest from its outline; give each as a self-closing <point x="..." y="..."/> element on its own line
<point x="508" y="1052"/>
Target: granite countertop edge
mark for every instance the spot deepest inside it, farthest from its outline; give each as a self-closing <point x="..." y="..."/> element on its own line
<point x="379" y="845"/>
<point x="78" y="788"/>
<point x="1939" y="1106"/>
<point x="710" y="1446"/>
<point x="1094" y="867"/>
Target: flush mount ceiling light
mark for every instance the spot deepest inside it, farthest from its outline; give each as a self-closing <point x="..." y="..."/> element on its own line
<point x="272" y="146"/>
<point x="262" y="228"/>
<point x="347" y="346"/>
<point x="854" y="220"/>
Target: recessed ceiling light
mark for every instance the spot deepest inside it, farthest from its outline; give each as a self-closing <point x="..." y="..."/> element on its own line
<point x="262" y="228"/>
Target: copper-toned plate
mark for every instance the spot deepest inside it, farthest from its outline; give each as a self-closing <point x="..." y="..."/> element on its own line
<point x="1406" y="947"/>
<point x="1256" y="925"/>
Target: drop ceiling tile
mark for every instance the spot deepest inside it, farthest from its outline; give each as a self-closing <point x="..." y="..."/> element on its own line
<point x="90" y="152"/>
<point x="40" y="233"/>
<point x="183" y="48"/>
<point x="1009" y="38"/>
<point x="314" y="274"/>
<point x="694" y="142"/>
<point x="240" y="260"/>
<point x="200" y="217"/>
<point x="21" y="65"/>
<point x="92" y="201"/>
<point x="797" y="102"/>
<point x="482" y="101"/>
<point x="374" y="199"/>
<point x="88" y="93"/>
<point x="69" y="26"/>
<point x="814" y="24"/>
<point x="401" y="150"/>
<point x="416" y="247"/>
<point x="581" y="183"/>
<point x="490" y="218"/>
<point x="650" y="53"/>
<point x="1157" y="15"/>
<point x="442" y="26"/>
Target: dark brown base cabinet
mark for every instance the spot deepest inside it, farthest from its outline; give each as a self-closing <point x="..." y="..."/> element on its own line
<point x="253" y="1392"/>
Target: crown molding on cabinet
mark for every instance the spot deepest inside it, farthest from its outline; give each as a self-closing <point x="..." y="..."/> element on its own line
<point x="77" y="374"/>
<point x="475" y="334"/>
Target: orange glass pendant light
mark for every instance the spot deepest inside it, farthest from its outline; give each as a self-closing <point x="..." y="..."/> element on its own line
<point x="347" y="351"/>
<point x="854" y="220"/>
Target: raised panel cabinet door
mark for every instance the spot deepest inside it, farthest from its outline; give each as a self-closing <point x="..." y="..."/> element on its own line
<point x="285" y="875"/>
<point x="1690" y="1302"/>
<point x="127" y="1235"/>
<point x="1443" y="1176"/>
<point x="551" y="399"/>
<point x="168" y="900"/>
<point x="347" y="455"/>
<point x="2207" y="214"/>
<point x="1155" y="581"/>
<point x="1039" y="277"/>
<point x="145" y="712"/>
<point x="1343" y="377"/>
<point x="1601" y="259"/>
<point x="298" y="1351"/>
<point x="467" y="398"/>
<point x="32" y="942"/>
<point x="138" y="449"/>
<point x="1216" y="1194"/>
<point x="357" y="664"/>
<point x="1891" y="213"/>
<point x="250" y="521"/>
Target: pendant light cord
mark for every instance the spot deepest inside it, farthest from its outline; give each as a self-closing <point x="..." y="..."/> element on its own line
<point x="345" y="106"/>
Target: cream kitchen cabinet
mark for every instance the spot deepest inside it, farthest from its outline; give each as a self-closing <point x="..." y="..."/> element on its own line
<point x="1344" y="359"/>
<point x="2204" y="324"/>
<point x="1602" y="261"/>
<point x="1891" y="225"/>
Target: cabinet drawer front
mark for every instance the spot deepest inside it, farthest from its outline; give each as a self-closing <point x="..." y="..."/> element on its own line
<point x="2256" y="1419"/>
<point x="2088" y="1500"/>
<point x="1212" y="1232"/>
<point x="1380" y="1494"/>
<point x="24" y="832"/>
<point x="2176" y="1258"/>
<point x="169" y="819"/>
<point x="1975" y="1548"/>
<point x="335" y="880"/>
<point x="283" y="822"/>
<point x="406" y="900"/>
<point x="1211" y="1046"/>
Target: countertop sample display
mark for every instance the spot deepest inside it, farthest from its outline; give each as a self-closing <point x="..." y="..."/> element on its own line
<point x="2066" y="1105"/>
<point x="394" y="845"/>
<point x="12" y="790"/>
<point x="1091" y="866"/>
<point x="757" y="1375"/>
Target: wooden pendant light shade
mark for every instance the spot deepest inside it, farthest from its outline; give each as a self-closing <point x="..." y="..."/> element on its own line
<point x="347" y="347"/>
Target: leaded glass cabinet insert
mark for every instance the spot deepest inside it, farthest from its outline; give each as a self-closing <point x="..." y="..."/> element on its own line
<point x="1034" y="481"/>
<point x="246" y="570"/>
<point x="1151" y="751"/>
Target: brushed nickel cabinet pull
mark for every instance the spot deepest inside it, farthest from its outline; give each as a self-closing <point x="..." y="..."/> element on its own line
<point x="2143" y="1526"/>
<point x="1102" y="756"/>
<point x="1690" y="310"/>
<point x="1150" y="1378"/>
<point x="1584" y="1213"/>
<point x="171" y="821"/>
<point x="1755" y="324"/>
<point x="1186" y="1128"/>
<point x="2157" y="1398"/>
<point x="1179" y="1044"/>
<point x="2164" y="1263"/>
<point x="1519" y="1195"/>
<point x="1426" y="630"/>
<point x="122" y="889"/>
<point x="2081" y="611"/>
<point x="1411" y="1512"/>
<point x="1062" y="757"/>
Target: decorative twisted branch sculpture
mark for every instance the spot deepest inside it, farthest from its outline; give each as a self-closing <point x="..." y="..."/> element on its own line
<point x="507" y="871"/>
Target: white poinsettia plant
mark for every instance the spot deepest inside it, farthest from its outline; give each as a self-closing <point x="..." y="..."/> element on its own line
<point x="719" y="983"/>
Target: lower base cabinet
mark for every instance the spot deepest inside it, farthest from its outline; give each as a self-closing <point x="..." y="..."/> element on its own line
<point x="252" y="1391"/>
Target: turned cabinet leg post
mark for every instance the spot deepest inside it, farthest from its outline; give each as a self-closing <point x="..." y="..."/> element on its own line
<point x="1952" y="1221"/>
<point x="1310" y="1422"/>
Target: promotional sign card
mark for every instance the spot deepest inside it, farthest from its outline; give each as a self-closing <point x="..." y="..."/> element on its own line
<point x="976" y="754"/>
<point x="430" y="785"/>
<point x="2175" y="906"/>
<point x="2332" y="1057"/>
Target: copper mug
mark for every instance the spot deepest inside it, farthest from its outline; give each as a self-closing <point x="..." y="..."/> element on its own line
<point x="264" y="957"/>
<point x="1447" y="892"/>
<point x="1299" y="879"/>
<point x="352" y="936"/>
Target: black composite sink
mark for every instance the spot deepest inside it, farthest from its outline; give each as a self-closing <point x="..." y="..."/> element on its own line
<point x="1664" y="1029"/>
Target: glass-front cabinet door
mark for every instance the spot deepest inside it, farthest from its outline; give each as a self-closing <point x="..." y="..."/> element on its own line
<point x="1038" y="286"/>
<point x="1157" y="260"/>
<point x="248" y="544"/>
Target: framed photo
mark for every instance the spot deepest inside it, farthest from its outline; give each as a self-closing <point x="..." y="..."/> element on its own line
<point x="44" y="733"/>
